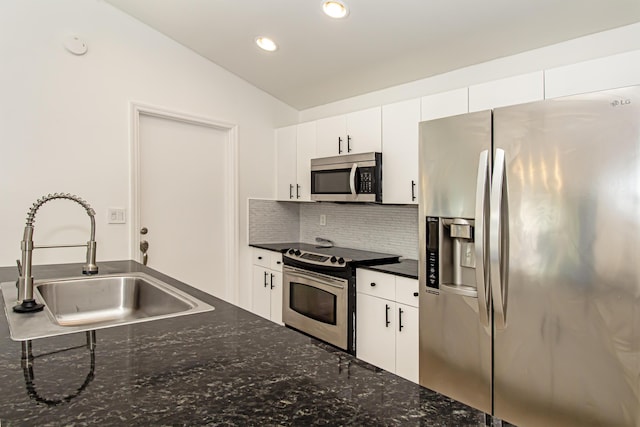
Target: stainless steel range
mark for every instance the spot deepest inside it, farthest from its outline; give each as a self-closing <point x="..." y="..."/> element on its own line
<point x="320" y="292"/>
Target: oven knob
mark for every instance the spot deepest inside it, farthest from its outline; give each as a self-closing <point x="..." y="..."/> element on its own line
<point x="298" y="253"/>
<point x="291" y="251"/>
<point x="340" y="260"/>
<point x="333" y="259"/>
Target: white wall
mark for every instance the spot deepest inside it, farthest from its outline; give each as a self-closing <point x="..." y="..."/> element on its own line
<point x="623" y="39"/>
<point x="64" y="121"/>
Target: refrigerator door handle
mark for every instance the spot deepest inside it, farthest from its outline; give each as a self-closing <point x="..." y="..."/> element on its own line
<point x="499" y="240"/>
<point x="482" y="189"/>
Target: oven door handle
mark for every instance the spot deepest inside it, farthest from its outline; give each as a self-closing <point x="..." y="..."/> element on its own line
<point x="309" y="275"/>
<point x="352" y="179"/>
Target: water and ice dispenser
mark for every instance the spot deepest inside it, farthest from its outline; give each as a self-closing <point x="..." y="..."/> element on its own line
<point x="451" y="257"/>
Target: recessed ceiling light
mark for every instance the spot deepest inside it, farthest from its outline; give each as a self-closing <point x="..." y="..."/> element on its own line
<point x="266" y="43"/>
<point x="335" y="8"/>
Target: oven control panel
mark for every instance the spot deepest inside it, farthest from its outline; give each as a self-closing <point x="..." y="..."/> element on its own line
<point x="317" y="259"/>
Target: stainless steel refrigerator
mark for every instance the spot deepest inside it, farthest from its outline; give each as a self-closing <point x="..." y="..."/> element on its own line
<point x="530" y="260"/>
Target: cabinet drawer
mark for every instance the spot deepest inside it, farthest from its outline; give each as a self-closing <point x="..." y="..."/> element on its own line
<point x="407" y="291"/>
<point x="376" y="284"/>
<point x="276" y="261"/>
<point x="262" y="257"/>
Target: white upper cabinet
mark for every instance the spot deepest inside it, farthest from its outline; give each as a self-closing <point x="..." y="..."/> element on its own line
<point x="510" y="91"/>
<point x="600" y="74"/>
<point x="364" y="131"/>
<point x="445" y="104"/>
<point x="331" y="136"/>
<point x="357" y="132"/>
<point x="295" y="146"/>
<point x="286" y="163"/>
<point x="305" y="151"/>
<point x="400" y="152"/>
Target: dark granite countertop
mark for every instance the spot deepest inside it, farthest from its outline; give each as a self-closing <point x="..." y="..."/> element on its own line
<point x="406" y="268"/>
<point x="225" y="367"/>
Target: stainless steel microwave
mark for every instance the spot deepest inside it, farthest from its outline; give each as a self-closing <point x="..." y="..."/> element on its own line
<point x="349" y="178"/>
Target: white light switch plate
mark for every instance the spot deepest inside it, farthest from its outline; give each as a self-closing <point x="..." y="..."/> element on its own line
<point x="116" y="216"/>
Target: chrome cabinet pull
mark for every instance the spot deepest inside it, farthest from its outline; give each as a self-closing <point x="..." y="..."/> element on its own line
<point x="272" y="275"/>
<point x="348" y="143"/>
<point x="400" y="319"/>
<point x="297" y="191"/>
<point x="413" y="191"/>
<point x="339" y="145"/>
<point x="265" y="279"/>
<point x="291" y="191"/>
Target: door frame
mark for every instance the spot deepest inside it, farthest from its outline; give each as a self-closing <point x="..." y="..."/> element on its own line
<point x="230" y="194"/>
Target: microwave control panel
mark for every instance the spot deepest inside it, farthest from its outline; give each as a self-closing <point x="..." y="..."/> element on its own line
<point x="367" y="181"/>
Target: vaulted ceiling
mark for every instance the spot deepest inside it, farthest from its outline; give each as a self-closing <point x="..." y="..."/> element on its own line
<point x="381" y="43"/>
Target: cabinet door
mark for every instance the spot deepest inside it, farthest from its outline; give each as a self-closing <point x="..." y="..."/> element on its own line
<point x="261" y="292"/>
<point x="306" y="150"/>
<point x="275" y="284"/>
<point x="400" y="152"/>
<point x="510" y="91"/>
<point x="364" y="131"/>
<point x="285" y="163"/>
<point x="375" y="339"/>
<point x="445" y="104"/>
<point x="331" y="136"/>
<point x="589" y="76"/>
<point x="407" y="342"/>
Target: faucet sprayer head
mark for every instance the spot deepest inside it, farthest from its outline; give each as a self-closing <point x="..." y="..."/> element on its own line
<point x="25" y="282"/>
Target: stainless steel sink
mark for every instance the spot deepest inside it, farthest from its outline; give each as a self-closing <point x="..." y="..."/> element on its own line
<point x="86" y="303"/>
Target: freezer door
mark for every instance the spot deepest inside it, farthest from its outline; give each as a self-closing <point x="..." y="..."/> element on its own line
<point x="449" y="151"/>
<point x="567" y="350"/>
<point x="455" y="334"/>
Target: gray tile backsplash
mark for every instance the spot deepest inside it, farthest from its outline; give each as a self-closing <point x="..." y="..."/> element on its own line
<point x="382" y="228"/>
<point x="273" y="222"/>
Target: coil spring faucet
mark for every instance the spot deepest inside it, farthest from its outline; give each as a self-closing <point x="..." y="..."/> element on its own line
<point x="25" y="281"/>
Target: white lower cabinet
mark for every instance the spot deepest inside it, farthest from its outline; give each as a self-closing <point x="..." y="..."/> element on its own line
<point x="266" y="295"/>
<point x="387" y="322"/>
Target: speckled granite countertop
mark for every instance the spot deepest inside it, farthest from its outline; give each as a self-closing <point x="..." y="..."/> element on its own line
<point x="406" y="267"/>
<point x="225" y="367"/>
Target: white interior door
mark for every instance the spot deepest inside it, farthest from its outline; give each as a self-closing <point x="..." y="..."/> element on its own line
<point x="182" y="192"/>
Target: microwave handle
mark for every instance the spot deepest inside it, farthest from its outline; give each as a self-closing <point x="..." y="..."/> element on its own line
<point x="352" y="179"/>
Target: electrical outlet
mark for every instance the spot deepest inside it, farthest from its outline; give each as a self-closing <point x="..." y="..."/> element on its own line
<point x="323" y="219"/>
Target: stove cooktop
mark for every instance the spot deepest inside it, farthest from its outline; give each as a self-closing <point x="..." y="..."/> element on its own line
<point x="354" y="257"/>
